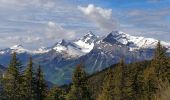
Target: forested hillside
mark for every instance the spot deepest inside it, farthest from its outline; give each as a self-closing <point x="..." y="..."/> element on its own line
<point x="146" y="80"/>
<point x="96" y="80"/>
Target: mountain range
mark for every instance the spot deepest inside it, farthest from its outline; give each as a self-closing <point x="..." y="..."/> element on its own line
<point x="95" y="52"/>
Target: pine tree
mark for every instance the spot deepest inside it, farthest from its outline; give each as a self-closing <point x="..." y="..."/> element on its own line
<point x="151" y="82"/>
<point x="127" y="83"/>
<point x="138" y="81"/>
<point x="158" y="70"/>
<point x="79" y="89"/>
<point x="56" y="93"/>
<point x="2" y="95"/>
<point x="12" y="79"/>
<point x="161" y="63"/>
<point x="108" y="87"/>
<point x="119" y="81"/>
<point x="28" y="87"/>
<point x="41" y="87"/>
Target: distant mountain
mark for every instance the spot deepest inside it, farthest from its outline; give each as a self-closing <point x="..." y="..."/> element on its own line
<point x="59" y="60"/>
<point x="132" y="42"/>
<point x="2" y="67"/>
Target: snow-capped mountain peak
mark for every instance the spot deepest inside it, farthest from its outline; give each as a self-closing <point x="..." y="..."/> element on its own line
<point x="65" y="42"/>
<point x="89" y="34"/>
<point x="76" y="48"/>
<point x="122" y="37"/>
<point x="85" y="44"/>
<point x="133" y="42"/>
<point x="41" y="50"/>
<point x="119" y="33"/>
<point x="88" y="37"/>
<point x="17" y="47"/>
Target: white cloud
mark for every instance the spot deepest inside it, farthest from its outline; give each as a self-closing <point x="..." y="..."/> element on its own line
<point x="9" y="41"/>
<point x="38" y="3"/>
<point x="100" y="16"/>
<point x="30" y="39"/>
<point x="19" y="39"/>
<point x="52" y="32"/>
<point x="55" y="31"/>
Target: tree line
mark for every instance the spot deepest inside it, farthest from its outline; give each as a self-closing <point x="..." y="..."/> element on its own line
<point x="137" y="81"/>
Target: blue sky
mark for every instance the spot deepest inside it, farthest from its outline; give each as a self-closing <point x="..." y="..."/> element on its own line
<point x="36" y="23"/>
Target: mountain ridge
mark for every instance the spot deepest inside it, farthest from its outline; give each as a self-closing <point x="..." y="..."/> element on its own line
<point x="121" y="37"/>
<point x="97" y="53"/>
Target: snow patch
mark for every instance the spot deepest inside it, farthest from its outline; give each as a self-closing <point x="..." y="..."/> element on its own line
<point x="134" y="42"/>
<point x="85" y="47"/>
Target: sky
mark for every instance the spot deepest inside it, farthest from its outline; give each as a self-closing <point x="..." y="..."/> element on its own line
<point x="38" y="23"/>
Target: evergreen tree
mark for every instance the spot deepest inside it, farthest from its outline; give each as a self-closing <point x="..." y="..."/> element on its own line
<point x="41" y="87"/>
<point x="56" y="93"/>
<point x="119" y="81"/>
<point x="127" y="83"/>
<point x="12" y="79"/>
<point x="161" y="63"/>
<point x="158" y="70"/>
<point x="108" y="87"/>
<point x="138" y="81"/>
<point x="2" y="95"/>
<point x="151" y="82"/>
<point x="79" y="89"/>
<point x="28" y="87"/>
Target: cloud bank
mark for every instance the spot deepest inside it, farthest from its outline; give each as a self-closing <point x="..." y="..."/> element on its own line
<point x="44" y="22"/>
<point x="101" y="17"/>
<point x="55" y="31"/>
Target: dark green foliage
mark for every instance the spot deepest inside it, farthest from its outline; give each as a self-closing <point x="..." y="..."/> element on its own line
<point x="118" y="77"/>
<point x="161" y="63"/>
<point x="108" y="87"/>
<point x="157" y="70"/>
<point x="127" y="83"/>
<point x="28" y="84"/>
<point x="138" y="83"/>
<point x="40" y="84"/>
<point x="56" y="93"/>
<point x="2" y="95"/>
<point x="79" y="89"/>
<point x="123" y="82"/>
<point x="135" y="87"/>
<point x="22" y="86"/>
<point x="12" y="80"/>
<point x="95" y="82"/>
